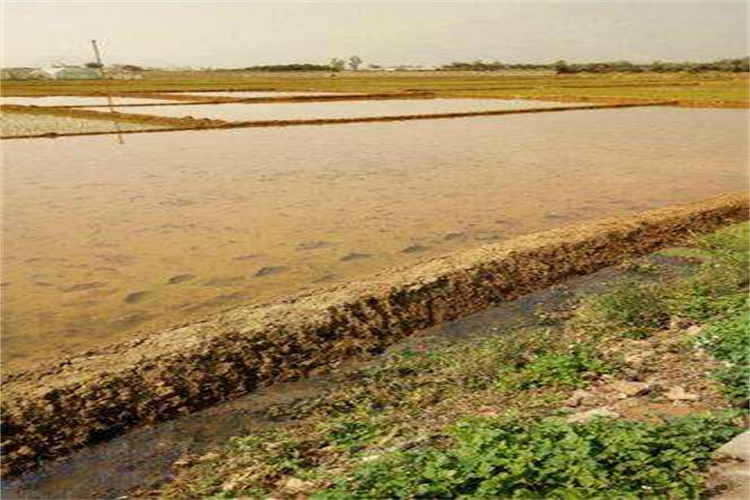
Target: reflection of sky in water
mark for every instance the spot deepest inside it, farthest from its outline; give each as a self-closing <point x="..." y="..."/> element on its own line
<point x="340" y="109"/>
<point x="102" y="240"/>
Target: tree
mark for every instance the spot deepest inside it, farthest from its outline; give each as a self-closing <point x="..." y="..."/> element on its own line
<point x="337" y="64"/>
<point x="354" y="62"/>
<point x="561" y="67"/>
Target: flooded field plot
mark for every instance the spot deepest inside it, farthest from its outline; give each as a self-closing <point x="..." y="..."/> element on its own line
<point x="68" y="100"/>
<point x="343" y="109"/>
<point x="13" y="124"/>
<point x="103" y="241"/>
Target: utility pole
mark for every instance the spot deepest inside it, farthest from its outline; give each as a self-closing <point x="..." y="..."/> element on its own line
<point x="100" y="65"/>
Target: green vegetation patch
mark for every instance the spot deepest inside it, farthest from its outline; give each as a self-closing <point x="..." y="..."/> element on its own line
<point x="547" y="459"/>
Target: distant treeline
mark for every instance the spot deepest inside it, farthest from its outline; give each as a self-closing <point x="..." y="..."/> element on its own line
<point x="289" y="67"/>
<point x="564" y="67"/>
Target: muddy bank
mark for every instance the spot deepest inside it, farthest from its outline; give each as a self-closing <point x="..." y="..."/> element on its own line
<point x="687" y="103"/>
<point x="78" y="401"/>
<point x="100" y="115"/>
<point x="183" y="123"/>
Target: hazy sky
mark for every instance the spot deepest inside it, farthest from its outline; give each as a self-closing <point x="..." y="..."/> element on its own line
<point x="238" y="34"/>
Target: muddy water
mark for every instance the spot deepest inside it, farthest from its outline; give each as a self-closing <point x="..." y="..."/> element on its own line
<point x="343" y="109"/>
<point x="67" y="100"/>
<point x="102" y="241"/>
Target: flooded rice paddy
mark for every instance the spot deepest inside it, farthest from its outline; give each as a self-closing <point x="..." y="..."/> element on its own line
<point x="104" y="241"/>
<point x="68" y="100"/>
<point x="343" y="109"/>
<point x="14" y="124"/>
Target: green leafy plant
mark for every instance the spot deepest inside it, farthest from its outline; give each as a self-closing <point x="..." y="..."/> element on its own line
<point x="547" y="459"/>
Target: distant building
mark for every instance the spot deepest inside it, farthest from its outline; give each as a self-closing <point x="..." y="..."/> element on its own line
<point x="65" y="73"/>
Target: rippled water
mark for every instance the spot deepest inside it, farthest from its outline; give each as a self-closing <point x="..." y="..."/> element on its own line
<point x="102" y="241"/>
<point x="341" y="109"/>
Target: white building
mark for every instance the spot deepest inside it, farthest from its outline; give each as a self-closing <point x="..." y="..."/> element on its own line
<point x="65" y="73"/>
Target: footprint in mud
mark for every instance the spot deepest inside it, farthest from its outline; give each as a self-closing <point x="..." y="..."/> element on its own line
<point x="217" y="301"/>
<point x="270" y="271"/>
<point x="129" y="320"/>
<point x="355" y="256"/>
<point x="225" y="281"/>
<point x="180" y="278"/>
<point x="85" y="286"/>
<point x="313" y="245"/>
<point x="248" y="256"/>
<point x="556" y="217"/>
<point x="136" y="297"/>
<point x="326" y="278"/>
<point x="487" y="237"/>
<point x="454" y="236"/>
<point x="414" y="249"/>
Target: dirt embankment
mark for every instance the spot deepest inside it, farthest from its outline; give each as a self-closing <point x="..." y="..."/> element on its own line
<point x="197" y="98"/>
<point x="634" y="101"/>
<point x="99" y="394"/>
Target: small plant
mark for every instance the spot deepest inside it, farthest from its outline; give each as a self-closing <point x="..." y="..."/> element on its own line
<point x="560" y="369"/>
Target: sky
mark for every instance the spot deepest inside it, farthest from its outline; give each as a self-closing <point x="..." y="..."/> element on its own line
<point x="246" y="33"/>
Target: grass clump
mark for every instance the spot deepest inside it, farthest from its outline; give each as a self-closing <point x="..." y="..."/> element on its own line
<point x="632" y="310"/>
<point x="547" y="459"/>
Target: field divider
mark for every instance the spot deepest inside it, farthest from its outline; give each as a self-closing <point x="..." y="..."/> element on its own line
<point x="191" y="99"/>
<point x="78" y="401"/>
<point x="205" y="123"/>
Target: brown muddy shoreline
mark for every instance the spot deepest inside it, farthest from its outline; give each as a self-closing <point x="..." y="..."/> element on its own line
<point x="78" y="401"/>
<point x="183" y="123"/>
